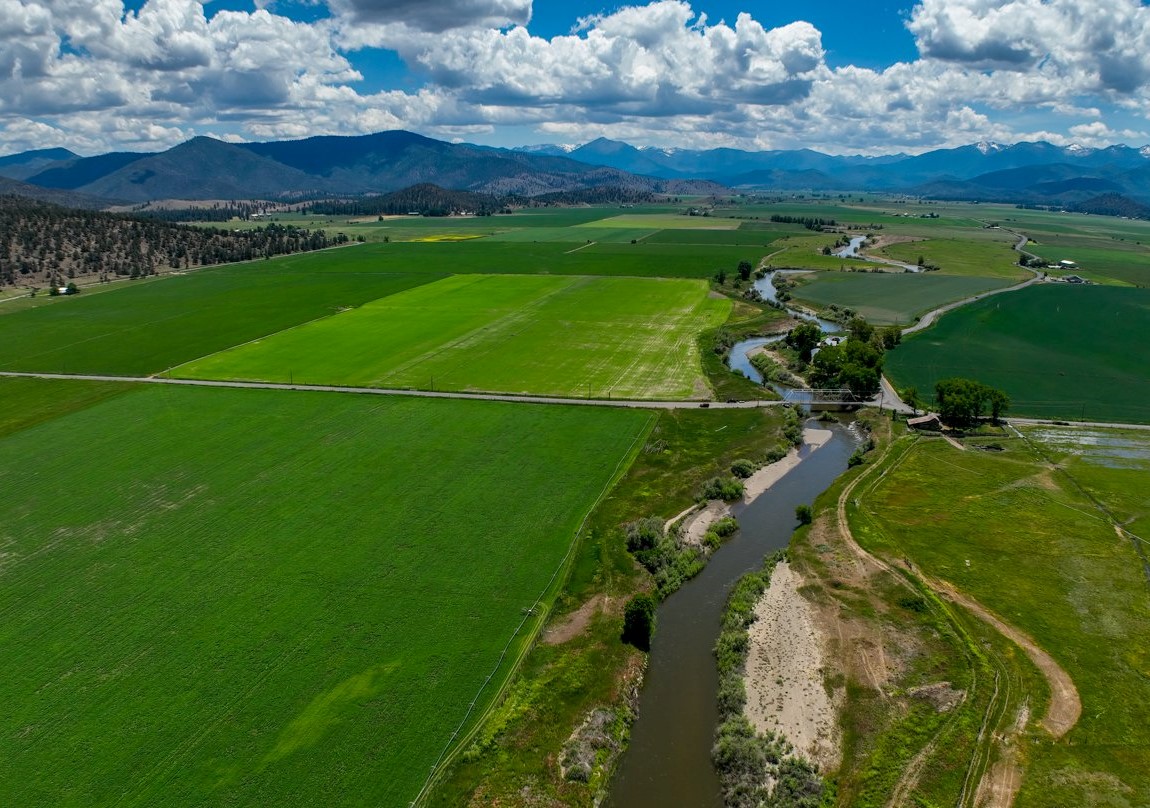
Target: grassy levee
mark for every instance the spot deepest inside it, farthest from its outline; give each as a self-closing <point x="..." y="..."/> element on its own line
<point x="889" y="298"/>
<point x="146" y="328"/>
<point x="581" y="665"/>
<point x="569" y="336"/>
<point x="894" y="644"/>
<point x="1018" y="536"/>
<point x="1059" y="351"/>
<point x="254" y="597"/>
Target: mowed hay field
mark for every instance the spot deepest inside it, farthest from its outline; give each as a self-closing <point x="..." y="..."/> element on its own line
<point x="1017" y="534"/>
<point x="890" y="298"/>
<point x="564" y="336"/>
<point x="248" y="597"/>
<point x="1059" y="351"/>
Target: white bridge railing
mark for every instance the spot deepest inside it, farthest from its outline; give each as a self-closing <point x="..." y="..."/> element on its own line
<point x="820" y="396"/>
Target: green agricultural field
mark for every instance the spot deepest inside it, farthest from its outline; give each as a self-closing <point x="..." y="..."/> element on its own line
<point x="1059" y="351"/>
<point x="667" y="221"/>
<point x="149" y="326"/>
<point x="1019" y="536"/>
<point x="25" y="402"/>
<point x="565" y="336"/>
<point x="743" y="237"/>
<point x="146" y="328"/>
<point x="491" y="256"/>
<point x="964" y="256"/>
<point x="576" y="235"/>
<point x="248" y="597"/>
<point x="887" y="298"/>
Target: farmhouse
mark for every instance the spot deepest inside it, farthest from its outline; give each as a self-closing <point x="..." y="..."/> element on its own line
<point x="1065" y="264"/>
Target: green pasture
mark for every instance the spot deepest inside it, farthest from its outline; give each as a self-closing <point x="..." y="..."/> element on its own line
<point x="805" y="252"/>
<point x="666" y="221"/>
<point x="1111" y="465"/>
<point x="1059" y="351"/>
<point x="1099" y="259"/>
<point x="887" y="298"/>
<point x="569" y="336"/>
<point x="964" y="256"/>
<point x="247" y="597"/>
<point x="145" y="328"/>
<point x="1023" y="540"/>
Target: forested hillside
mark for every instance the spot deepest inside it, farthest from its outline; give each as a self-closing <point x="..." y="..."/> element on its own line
<point x="43" y="244"/>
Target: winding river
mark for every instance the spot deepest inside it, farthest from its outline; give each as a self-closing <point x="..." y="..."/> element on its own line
<point x="852" y="251"/>
<point x="668" y="761"/>
<point x="739" y="358"/>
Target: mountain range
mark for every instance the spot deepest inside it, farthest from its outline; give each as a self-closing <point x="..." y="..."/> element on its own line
<point x="988" y="171"/>
<point x="349" y="167"/>
<point x="203" y="168"/>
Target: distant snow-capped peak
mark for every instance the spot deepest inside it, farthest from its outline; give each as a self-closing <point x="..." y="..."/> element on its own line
<point x="988" y="146"/>
<point x="1145" y="152"/>
<point x="548" y="147"/>
<point x="666" y="151"/>
<point x="1078" y="150"/>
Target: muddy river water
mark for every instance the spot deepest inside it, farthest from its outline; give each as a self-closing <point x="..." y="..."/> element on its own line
<point x="668" y="762"/>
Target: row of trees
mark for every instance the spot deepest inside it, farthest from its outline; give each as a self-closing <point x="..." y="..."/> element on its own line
<point x="809" y="222"/>
<point x="48" y="244"/>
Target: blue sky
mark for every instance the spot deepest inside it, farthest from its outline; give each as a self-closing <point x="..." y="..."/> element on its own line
<point x="842" y="77"/>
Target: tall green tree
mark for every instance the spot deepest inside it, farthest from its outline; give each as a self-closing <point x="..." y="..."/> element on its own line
<point x="962" y="402"/>
<point x="803" y="338"/>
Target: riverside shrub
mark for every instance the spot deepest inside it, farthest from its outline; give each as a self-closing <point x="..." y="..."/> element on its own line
<point x="724" y="488"/>
<point x="639" y="621"/>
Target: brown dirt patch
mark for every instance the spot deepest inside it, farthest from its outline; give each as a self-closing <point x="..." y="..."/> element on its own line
<point x="572" y="625"/>
<point x="887" y="241"/>
<point x="1001" y="782"/>
<point x="939" y="695"/>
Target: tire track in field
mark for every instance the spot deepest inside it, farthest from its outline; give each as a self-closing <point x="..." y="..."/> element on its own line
<point x="1065" y="706"/>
